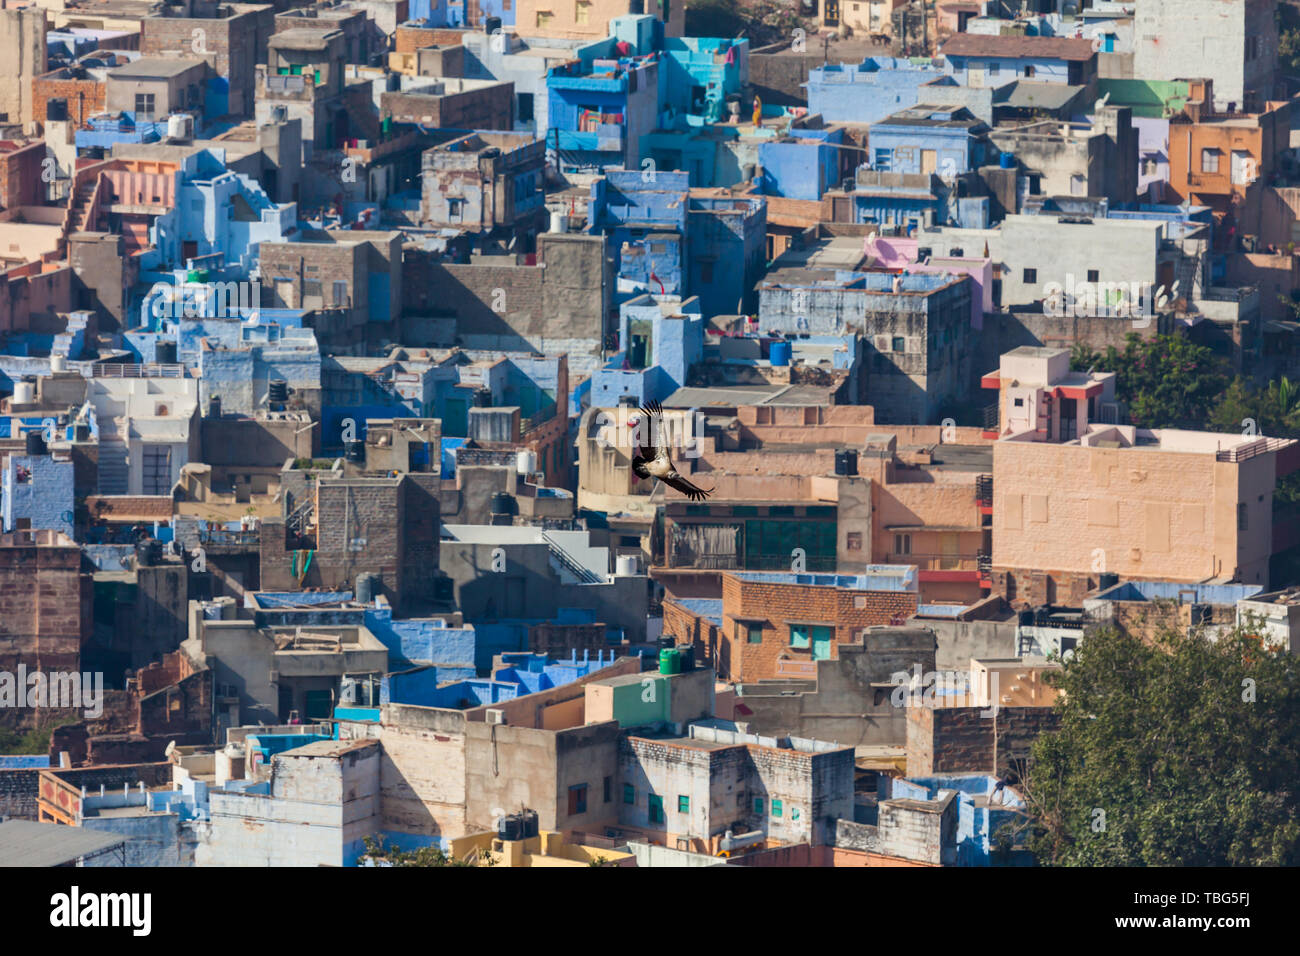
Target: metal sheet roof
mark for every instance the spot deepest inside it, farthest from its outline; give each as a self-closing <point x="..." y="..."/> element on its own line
<point x="26" y="843"/>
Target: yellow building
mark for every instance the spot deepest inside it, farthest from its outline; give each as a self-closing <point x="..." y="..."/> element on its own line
<point x="546" y="849"/>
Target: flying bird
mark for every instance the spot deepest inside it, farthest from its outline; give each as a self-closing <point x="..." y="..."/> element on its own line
<point x="653" y="462"/>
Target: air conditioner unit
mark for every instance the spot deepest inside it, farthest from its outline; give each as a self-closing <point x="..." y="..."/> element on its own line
<point x="496" y="716"/>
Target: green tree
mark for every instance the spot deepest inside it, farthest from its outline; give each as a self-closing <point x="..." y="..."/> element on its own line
<point x="377" y="852"/>
<point x="1166" y="381"/>
<point x="1176" y="751"/>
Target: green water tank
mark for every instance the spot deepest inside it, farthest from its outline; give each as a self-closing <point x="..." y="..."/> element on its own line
<point x="670" y="662"/>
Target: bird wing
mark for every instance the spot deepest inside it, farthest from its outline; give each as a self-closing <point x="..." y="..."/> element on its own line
<point x="694" y="492"/>
<point x="652" y="411"/>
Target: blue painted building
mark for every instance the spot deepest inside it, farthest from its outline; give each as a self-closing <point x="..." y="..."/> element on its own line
<point x="989" y="61"/>
<point x="944" y="141"/>
<point x="727" y="251"/>
<point x="803" y="165"/>
<point x="598" y="110"/>
<point x="869" y="91"/>
<point x="659" y="341"/>
<point x="38" y="493"/>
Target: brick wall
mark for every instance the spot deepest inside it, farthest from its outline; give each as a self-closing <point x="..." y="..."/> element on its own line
<point x="410" y="39"/>
<point x="85" y="97"/>
<point x="20" y="176"/>
<point x="959" y="740"/>
<point x="45" y="607"/>
<point x="775" y="604"/>
<point x="487" y="107"/>
<point x="19" y="788"/>
<point x="690" y="629"/>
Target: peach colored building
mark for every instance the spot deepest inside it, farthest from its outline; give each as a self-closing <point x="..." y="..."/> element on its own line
<point x="582" y="19"/>
<point x="1075" y="497"/>
<point x="1215" y="158"/>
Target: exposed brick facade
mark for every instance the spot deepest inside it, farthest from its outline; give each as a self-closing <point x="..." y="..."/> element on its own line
<point x="19" y="788"/>
<point x="410" y="39"/>
<point x="960" y="740"/>
<point x="483" y="107"/>
<point x="85" y="97"/>
<point x="45" y="602"/>
<point x="20" y="174"/>
<point x="775" y="606"/>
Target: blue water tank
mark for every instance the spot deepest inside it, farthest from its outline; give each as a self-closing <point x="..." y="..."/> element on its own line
<point x="1007" y="161"/>
<point x="780" y="353"/>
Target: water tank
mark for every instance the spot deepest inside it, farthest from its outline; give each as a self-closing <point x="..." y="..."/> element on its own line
<point x="1026" y="618"/>
<point x="165" y="353"/>
<point x="625" y="565"/>
<point x="511" y="828"/>
<point x="354" y="451"/>
<point x="1007" y="160"/>
<point x="482" y="398"/>
<point x="1107" y="579"/>
<point x="148" y="552"/>
<point x="526" y="461"/>
<point x="214" y="406"/>
<point x="686" y="654"/>
<point x="670" y="662"/>
<point x="58" y="363"/>
<point x="491" y="25"/>
<point x="24" y="393"/>
<point x="846" y="461"/>
<point x="779" y="355"/>
<point x="502" y="504"/>
<point x="393" y="82"/>
<point x="56" y="110"/>
<point x="180" y="126"/>
<point x="278" y="391"/>
<point x="81" y="432"/>
<point x="36" y="443"/>
<point x="528" y="824"/>
<point x="367" y="587"/>
<point x="559" y="221"/>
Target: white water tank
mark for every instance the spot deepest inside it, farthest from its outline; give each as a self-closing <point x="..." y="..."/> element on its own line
<point x="526" y="461"/>
<point x="559" y="221"/>
<point x="58" y="363"/>
<point x="24" y="393"/>
<point x="180" y="126"/>
<point x="625" y="565"/>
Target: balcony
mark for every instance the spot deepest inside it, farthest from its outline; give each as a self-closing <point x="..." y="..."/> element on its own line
<point x="984" y="491"/>
<point x="992" y="420"/>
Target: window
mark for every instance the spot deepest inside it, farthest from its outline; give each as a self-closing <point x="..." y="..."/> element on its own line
<point x="1241" y="517"/>
<point x="544" y="18"/>
<point x="144" y="106"/>
<point x="799" y="636"/>
<point x="340" y="293"/>
<point x="794" y="813"/>
<point x="455" y="209"/>
<point x="854" y="542"/>
<point x="902" y="544"/>
<point x="683" y="804"/>
<point x="1031" y="276"/>
<point x="578" y="799"/>
<point x="629" y="794"/>
<point x="1029" y="71"/>
<point x="1094" y="275"/>
<point x="582" y="12"/>
<point x="994" y="67"/>
<point x="1019" y="403"/>
<point x="656" y="809"/>
<point x="883" y="158"/>
<point x="758" y="804"/>
<point x="754" y="633"/>
<point x="898" y="344"/>
<point x="777" y="808"/>
<point x="609" y="789"/>
<point x="1209" y="160"/>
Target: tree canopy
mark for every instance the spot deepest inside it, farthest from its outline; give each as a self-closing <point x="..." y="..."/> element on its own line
<point x="1179" y="751"/>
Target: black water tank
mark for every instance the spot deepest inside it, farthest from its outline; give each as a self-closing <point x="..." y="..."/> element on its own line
<point x="491" y="25"/>
<point x="482" y="398"/>
<point x="36" y="443"/>
<point x="394" y="82"/>
<point x="503" y="504"/>
<point x="81" y="433"/>
<point x="354" y="451"/>
<point x="512" y="827"/>
<point x="214" y="406"/>
<point x="148" y="552"/>
<point x="278" y="393"/>
<point x="1026" y="618"/>
<point x="56" y="110"/>
<point x="686" y="655"/>
<point x="846" y="461"/>
<point x="528" y="824"/>
<point x="1107" y="579"/>
<point x="627" y="401"/>
<point x="166" y="353"/>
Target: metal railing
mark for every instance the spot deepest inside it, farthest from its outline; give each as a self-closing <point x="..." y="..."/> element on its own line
<point x="992" y="417"/>
<point x="584" y="574"/>
<point x="984" y="490"/>
<point x="150" y="370"/>
<point x="1246" y="452"/>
